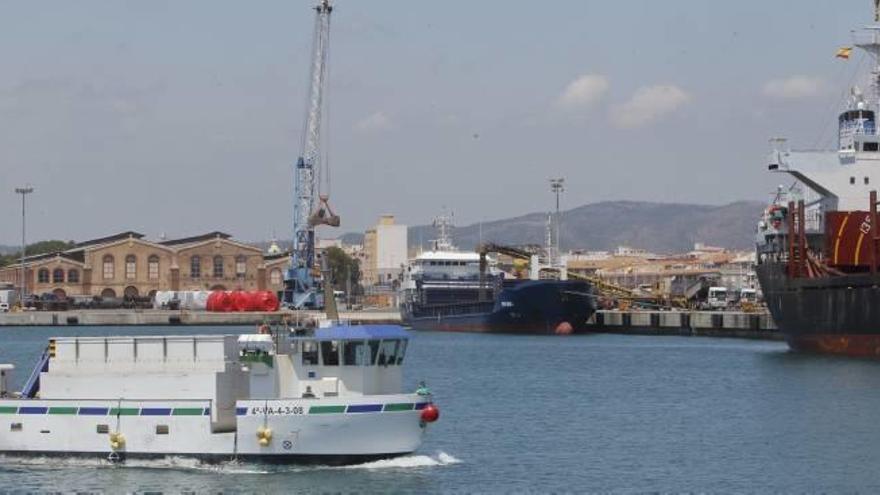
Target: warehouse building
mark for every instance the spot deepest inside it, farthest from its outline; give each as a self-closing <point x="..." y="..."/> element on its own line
<point x="127" y="264"/>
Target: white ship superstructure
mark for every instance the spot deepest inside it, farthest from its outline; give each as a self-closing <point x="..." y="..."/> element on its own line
<point x="840" y="179"/>
<point x="331" y="395"/>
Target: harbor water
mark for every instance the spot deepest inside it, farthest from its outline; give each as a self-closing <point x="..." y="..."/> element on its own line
<point x="592" y="413"/>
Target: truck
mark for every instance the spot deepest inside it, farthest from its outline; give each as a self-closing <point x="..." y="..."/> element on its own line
<point x="8" y="298"/>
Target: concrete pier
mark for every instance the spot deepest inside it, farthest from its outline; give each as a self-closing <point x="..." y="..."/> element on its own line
<point x="690" y="323"/>
<point x="697" y="323"/>
<point x="165" y="317"/>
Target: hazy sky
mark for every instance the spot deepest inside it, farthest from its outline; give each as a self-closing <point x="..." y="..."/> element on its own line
<point x="185" y="117"/>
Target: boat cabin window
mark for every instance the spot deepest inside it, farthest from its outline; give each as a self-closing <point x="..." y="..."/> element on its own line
<point x="391" y="352"/>
<point x="852" y="180"/>
<point x="355" y="353"/>
<point x="866" y="181"/>
<point x="870" y="146"/>
<point x="401" y="350"/>
<point x="102" y="429"/>
<point x="15" y="427"/>
<point x="161" y="429"/>
<point x="330" y="352"/>
<point x="310" y="352"/>
<point x="374" y="350"/>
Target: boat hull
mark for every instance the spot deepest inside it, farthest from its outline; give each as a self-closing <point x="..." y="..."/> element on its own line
<point x="829" y="315"/>
<point x="323" y="431"/>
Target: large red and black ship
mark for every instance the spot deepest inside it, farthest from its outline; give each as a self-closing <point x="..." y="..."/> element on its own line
<point x="818" y="245"/>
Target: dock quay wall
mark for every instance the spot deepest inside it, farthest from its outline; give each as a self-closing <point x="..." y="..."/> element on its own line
<point x="692" y="323"/>
<point x="168" y="317"/>
<point x="689" y="323"/>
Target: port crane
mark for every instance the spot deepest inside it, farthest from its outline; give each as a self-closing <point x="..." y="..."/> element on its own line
<point x="302" y="283"/>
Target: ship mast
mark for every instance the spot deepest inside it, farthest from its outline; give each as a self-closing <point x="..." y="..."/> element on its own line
<point x="869" y="40"/>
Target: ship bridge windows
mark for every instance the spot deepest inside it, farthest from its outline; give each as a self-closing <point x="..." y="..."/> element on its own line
<point x="330" y="352"/>
<point x="391" y="352"/>
<point x="310" y="353"/>
<point x="870" y="146"/>
<point x="355" y="353"/>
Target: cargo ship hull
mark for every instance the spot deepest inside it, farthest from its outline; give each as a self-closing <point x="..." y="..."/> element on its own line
<point x="832" y="315"/>
<point x="528" y="307"/>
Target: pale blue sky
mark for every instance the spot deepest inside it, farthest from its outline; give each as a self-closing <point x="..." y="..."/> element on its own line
<point x="184" y="117"/>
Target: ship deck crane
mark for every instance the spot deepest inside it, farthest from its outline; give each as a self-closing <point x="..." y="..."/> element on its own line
<point x="302" y="286"/>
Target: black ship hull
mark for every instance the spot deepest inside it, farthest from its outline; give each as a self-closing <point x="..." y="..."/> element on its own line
<point x="831" y="315"/>
<point x="527" y="307"/>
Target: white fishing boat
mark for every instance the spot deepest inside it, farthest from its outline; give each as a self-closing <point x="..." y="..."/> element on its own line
<point x="328" y="395"/>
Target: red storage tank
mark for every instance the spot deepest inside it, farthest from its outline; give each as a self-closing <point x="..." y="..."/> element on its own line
<point x="239" y="301"/>
<point x="218" y="301"/>
<point x="265" y="301"/>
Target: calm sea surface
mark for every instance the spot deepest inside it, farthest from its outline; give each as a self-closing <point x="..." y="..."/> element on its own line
<point x="598" y="413"/>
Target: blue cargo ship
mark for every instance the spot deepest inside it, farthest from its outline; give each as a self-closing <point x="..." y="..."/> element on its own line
<point x="445" y="290"/>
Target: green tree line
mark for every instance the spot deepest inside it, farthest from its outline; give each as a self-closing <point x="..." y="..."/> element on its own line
<point x="41" y="247"/>
<point x="343" y="267"/>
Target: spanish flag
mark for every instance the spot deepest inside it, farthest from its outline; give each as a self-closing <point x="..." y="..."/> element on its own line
<point x="844" y="52"/>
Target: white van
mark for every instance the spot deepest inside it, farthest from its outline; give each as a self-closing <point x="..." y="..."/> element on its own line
<point x="717" y="298"/>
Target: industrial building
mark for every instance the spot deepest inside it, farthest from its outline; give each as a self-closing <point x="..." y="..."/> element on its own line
<point x="385" y="252"/>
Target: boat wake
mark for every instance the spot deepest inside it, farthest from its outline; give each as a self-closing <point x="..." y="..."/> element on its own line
<point x="410" y="461"/>
<point x="227" y="467"/>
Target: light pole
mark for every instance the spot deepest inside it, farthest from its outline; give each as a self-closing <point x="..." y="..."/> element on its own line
<point x="557" y="186"/>
<point x="24" y="191"/>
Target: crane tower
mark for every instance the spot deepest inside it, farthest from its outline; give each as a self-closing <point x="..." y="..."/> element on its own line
<point x="311" y="208"/>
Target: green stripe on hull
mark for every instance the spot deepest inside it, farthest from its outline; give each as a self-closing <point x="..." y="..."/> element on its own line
<point x="326" y="409"/>
<point x="8" y="410"/>
<point x="125" y="411"/>
<point x="63" y="410"/>
<point x="187" y="411"/>
<point x="399" y="407"/>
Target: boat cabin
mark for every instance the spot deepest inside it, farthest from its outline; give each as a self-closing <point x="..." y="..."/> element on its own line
<point x="337" y="361"/>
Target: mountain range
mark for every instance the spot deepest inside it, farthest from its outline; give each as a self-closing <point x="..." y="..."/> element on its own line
<point x="656" y="227"/>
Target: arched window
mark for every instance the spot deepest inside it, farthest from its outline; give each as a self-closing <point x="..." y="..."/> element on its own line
<point x="73" y="276"/>
<point x="58" y="276"/>
<point x="43" y="276"/>
<point x="130" y="267"/>
<point x="153" y="267"/>
<point x="108" y="293"/>
<point x="240" y="265"/>
<point x="218" y="266"/>
<point x="109" y="267"/>
<point x="195" y="267"/>
<point x="275" y="277"/>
